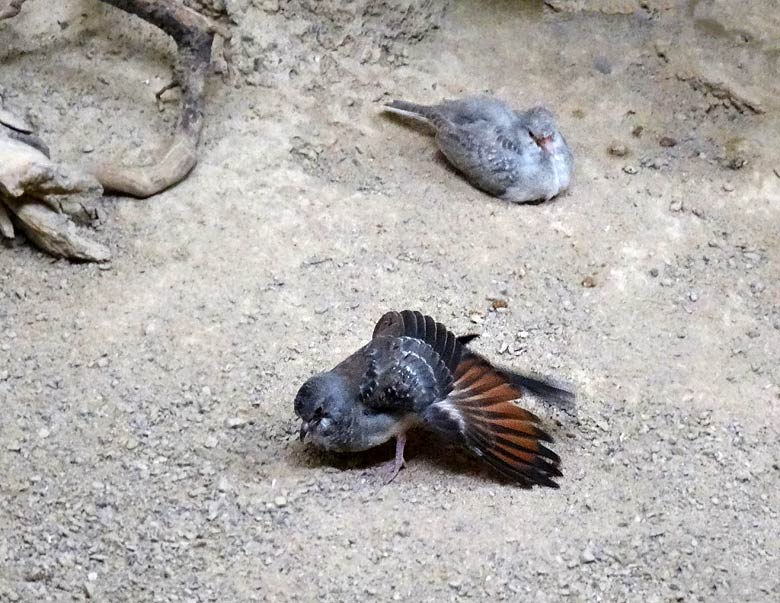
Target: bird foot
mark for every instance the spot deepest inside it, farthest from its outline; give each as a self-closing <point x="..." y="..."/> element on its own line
<point x="398" y="462"/>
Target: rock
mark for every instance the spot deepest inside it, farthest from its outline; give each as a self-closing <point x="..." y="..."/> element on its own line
<point x="693" y="296"/>
<point x="617" y="149"/>
<point x="630" y="169"/>
<point x="236" y="422"/>
<point x="654" y="272"/>
<point x="667" y="141"/>
<point x="224" y="484"/>
<point x="210" y="442"/>
<point x="280" y="502"/>
<point x="587" y="556"/>
<point x="589" y="282"/>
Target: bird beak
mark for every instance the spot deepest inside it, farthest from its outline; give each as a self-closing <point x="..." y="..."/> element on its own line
<point x="304" y="430"/>
<point x="545" y="142"/>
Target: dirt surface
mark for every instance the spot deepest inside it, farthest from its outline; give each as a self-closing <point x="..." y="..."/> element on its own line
<point x="148" y="448"/>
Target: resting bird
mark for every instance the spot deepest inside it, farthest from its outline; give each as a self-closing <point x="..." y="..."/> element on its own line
<point x="517" y="156"/>
<point x="414" y="372"/>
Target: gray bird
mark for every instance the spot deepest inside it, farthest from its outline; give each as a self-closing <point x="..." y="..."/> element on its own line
<point x="517" y="156"/>
<point x="416" y="373"/>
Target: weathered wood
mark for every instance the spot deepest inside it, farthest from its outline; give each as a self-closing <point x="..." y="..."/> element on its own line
<point x="194" y="36"/>
<point x="6" y="226"/>
<point x="54" y="233"/>
<point x="10" y="8"/>
<point x="31" y="187"/>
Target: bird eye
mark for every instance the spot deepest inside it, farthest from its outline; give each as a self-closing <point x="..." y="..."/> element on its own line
<point x="318" y="413"/>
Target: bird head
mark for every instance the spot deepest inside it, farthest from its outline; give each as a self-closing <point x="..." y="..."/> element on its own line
<point x="323" y="404"/>
<point x="541" y="126"/>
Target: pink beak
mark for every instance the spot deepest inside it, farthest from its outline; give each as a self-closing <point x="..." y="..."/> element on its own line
<point x="545" y="143"/>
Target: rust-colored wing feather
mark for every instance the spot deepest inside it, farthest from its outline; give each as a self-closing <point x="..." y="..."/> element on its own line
<point x="481" y="412"/>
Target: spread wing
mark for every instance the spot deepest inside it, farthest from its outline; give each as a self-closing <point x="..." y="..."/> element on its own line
<point x="403" y="375"/>
<point x="413" y="324"/>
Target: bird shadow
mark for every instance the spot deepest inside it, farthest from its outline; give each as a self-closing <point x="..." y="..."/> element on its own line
<point x="442" y="455"/>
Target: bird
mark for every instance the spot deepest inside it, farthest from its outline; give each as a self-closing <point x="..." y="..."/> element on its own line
<point x="414" y="372"/>
<point x="518" y="156"/>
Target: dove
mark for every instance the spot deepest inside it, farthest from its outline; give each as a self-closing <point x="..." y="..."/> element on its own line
<point x="416" y="373"/>
<point x="518" y="156"/>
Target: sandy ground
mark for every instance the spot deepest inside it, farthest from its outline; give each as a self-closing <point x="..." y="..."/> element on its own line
<point x="148" y="439"/>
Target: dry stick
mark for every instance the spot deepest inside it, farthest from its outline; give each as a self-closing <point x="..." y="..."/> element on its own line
<point x="11" y="9"/>
<point x="194" y="35"/>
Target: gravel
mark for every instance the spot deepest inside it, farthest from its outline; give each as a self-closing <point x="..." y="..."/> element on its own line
<point x="148" y="448"/>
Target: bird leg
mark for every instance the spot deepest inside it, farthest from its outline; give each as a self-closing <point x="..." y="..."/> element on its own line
<point x="398" y="462"/>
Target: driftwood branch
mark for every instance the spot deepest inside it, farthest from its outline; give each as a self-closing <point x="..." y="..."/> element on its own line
<point x="42" y="196"/>
<point x="10" y="8"/>
<point x="55" y="233"/>
<point x="194" y="37"/>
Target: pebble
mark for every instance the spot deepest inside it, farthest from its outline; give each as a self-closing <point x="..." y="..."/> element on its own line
<point x="693" y="296"/>
<point x="87" y="149"/>
<point x="667" y="141"/>
<point x="617" y="149"/>
<point x="728" y="187"/>
<point x="236" y="422"/>
<point x="589" y="282"/>
<point x="587" y="556"/>
<point x="630" y="169"/>
<point x="43" y="433"/>
<point x="211" y="442"/>
<point x="280" y="502"/>
<point x="102" y="362"/>
<point x="654" y="272"/>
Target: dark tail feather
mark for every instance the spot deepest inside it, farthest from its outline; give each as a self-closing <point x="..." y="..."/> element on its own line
<point x="559" y="395"/>
<point x="467" y="339"/>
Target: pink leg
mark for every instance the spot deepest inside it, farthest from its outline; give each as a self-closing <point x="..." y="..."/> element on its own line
<point x="400" y="442"/>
